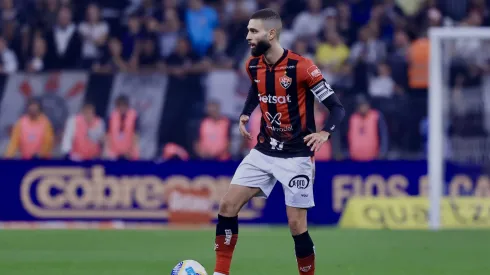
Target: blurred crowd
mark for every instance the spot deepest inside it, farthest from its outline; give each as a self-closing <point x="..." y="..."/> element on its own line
<point x="374" y="53"/>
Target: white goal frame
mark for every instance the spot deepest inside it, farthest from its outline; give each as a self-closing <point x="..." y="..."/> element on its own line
<point x="436" y="159"/>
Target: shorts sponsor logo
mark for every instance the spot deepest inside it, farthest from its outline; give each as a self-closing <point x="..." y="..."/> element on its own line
<point x="300" y="182"/>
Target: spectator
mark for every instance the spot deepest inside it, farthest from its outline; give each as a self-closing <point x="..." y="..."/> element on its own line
<point x="37" y="61"/>
<point x="147" y="9"/>
<point x="8" y="59"/>
<point x="392" y="18"/>
<point x="201" y="21"/>
<point x="122" y="134"/>
<point x="344" y="23"/>
<point x="16" y="39"/>
<point x="368" y="48"/>
<point x="382" y="85"/>
<point x="112" y="60"/>
<point x="483" y="7"/>
<point x="170" y="5"/>
<point x="147" y="56"/>
<point x="220" y="52"/>
<point x="361" y="11"/>
<point x="94" y="33"/>
<point x="8" y="11"/>
<point x="64" y="43"/>
<point x="236" y="30"/>
<point x="33" y="134"/>
<point x="418" y="59"/>
<point x="344" y="81"/>
<point x="130" y="38"/>
<point x="331" y="55"/>
<point x="308" y="22"/>
<point x="214" y="135"/>
<point x="185" y="69"/>
<point x="364" y="56"/>
<point x="84" y="135"/>
<point x="184" y="61"/>
<point x="331" y="20"/>
<point x="230" y="7"/>
<point x="169" y="32"/>
<point x="47" y="14"/>
<point x="397" y="60"/>
<point x="368" y="134"/>
<point x="300" y="47"/>
<point x="152" y="27"/>
<point x="469" y="49"/>
<point x="410" y="7"/>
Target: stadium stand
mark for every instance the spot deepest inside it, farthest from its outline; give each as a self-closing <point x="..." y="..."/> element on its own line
<point x="179" y="62"/>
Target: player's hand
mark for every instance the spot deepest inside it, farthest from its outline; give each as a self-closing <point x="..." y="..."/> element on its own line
<point x="316" y="140"/>
<point x="243" y="121"/>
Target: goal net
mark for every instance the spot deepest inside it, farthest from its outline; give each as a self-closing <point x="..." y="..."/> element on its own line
<point x="459" y="110"/>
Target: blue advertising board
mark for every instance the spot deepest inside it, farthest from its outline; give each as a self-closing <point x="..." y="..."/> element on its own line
<point x="138" y="191"/>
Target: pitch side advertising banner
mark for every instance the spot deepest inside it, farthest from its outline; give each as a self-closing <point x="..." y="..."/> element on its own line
<point x="413" y="212"/>
<point x="190" y="191"/>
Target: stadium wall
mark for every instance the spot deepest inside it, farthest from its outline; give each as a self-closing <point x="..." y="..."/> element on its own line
<point x="177" y="192"/>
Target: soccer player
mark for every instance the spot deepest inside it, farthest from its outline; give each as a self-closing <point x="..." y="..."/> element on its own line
<point x="285" y="85"/>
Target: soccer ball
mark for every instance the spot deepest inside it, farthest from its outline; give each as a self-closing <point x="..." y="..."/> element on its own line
<point x="189" y="267"/>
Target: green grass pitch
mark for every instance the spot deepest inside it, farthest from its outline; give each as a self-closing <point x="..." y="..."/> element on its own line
<point x="260" y="251"/>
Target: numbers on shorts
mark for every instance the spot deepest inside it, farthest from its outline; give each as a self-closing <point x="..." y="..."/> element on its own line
<point x="276" y="144"/>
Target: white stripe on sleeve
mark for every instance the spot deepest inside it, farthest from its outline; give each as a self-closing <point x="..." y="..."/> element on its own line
<point x="322" y="90"/>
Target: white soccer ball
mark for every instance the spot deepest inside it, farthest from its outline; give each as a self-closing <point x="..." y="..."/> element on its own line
<point x="189" y="267"/>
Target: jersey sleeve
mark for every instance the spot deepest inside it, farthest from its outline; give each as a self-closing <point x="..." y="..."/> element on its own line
<point x="252" y="100"/>
<point x="313" y="78"/>
<point x="247" y="68"/>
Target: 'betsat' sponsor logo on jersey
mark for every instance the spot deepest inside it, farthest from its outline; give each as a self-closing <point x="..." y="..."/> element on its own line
<point x="79" y="192"/>
<point x="275" y="99"/>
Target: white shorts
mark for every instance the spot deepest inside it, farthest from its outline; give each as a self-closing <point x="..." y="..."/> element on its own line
<point x="296" y="175"/>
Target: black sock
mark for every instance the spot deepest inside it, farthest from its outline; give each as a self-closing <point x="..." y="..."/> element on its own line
<point x="227" y="223"/>
<point x="303" y="245"/>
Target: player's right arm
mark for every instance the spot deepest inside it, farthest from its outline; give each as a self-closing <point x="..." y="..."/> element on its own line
<point x="250" y="104"/>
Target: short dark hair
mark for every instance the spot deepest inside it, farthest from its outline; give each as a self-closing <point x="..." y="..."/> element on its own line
<point x="122" y="100"/>
<point x="34" y="101"/>
<point x="266" y="14"/>
<point x="269" y="16"/>
<point x="87" y="105"/>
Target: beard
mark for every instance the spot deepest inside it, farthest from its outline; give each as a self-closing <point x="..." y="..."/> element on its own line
<point x="261" y="48"/>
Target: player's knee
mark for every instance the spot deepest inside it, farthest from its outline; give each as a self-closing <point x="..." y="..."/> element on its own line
<point x="228" y="207"/>
<point x="297" y="225"/>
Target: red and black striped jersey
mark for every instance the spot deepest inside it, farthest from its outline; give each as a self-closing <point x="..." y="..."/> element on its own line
<point x="286" y="93"/>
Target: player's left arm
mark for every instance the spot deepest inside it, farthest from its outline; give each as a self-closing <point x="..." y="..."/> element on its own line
<point x="314" y="80"/>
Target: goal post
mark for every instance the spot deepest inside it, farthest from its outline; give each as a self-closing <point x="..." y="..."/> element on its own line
<point x="438" y="88"/>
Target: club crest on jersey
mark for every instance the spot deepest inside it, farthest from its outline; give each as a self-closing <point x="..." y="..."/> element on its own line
<point x="285" y="81"/>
